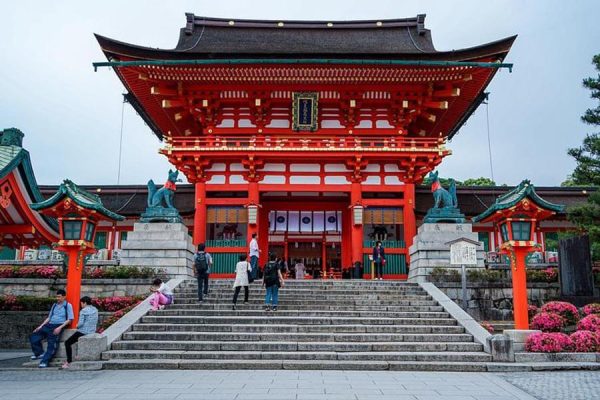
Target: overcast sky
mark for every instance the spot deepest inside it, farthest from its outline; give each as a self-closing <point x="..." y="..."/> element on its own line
<point x="71" y="115"/>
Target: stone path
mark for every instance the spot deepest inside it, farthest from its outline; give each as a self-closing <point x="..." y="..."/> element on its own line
<point x="259" y="385"/>
<point x="581" y="385"/>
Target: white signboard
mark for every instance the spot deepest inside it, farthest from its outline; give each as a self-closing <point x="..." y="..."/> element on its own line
<point x="463" y="253"/>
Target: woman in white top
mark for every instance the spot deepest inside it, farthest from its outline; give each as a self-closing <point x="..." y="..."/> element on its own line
<point x="163" y="296"/>
<point x="241" y="279"/>
<point x="300" y="269"/>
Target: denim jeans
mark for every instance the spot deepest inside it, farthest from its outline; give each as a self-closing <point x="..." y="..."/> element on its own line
<point x="36" y="342"/>
<point x="272" y="295"/>
<point x="254" y="265"/>
<point x="202" y="282"/>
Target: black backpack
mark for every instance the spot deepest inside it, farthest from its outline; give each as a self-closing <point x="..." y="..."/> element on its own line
<point x="271" y="276"/>
<point x="201" y="263"/>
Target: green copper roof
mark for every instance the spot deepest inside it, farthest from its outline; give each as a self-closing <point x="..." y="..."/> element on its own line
<point x="509" y="199"/>
<point x="80" y="197"/>
<point x="13" y="156"/>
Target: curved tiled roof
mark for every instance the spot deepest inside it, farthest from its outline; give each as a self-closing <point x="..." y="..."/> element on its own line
<point x="511" y="198"/>
<point x="206" y="37"/>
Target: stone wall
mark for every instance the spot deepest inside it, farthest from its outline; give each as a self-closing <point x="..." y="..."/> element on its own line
<point x="16" y="327"/>
<point x="492" y="301"/>
<point x="89" y="287"/>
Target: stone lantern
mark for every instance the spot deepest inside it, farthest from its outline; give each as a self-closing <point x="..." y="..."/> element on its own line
<point x="78" y="213"/>
<point x="516" y="215"/>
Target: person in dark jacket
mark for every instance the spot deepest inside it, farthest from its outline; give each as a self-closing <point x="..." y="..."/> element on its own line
<point x="379" y="260"/>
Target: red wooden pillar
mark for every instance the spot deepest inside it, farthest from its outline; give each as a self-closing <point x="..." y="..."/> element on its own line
<point x="73" y="288"/>
<point x="200" y="213"/>
<point x="519" y="281"/>
<point x="357" y="230"/>
<point x="263" y="236"/>
<point x="410" y="221"/>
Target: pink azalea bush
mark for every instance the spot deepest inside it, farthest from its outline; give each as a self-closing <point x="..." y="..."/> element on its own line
<point x="532" y="310"/>
<point x="593" y="308"/>
<point x="566" y="310"/>
<point x="30" y="272"/>
<point x="548" y="342"/>
<point x="114" y="303"/>
<point x="548" y="322"/>
<point x="590" y="323"/>
<point x="585" y="341"/>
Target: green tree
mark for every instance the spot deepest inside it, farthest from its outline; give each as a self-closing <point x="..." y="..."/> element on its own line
<point x="481" y="181"/>
<point x="587" y="172"/>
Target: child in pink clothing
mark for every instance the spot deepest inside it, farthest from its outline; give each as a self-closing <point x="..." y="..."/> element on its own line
<point x="162" y="295"/>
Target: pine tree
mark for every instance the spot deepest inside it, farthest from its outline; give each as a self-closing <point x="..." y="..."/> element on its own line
<point x="587" y="172"/>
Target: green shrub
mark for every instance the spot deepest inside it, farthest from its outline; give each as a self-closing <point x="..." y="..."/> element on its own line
<point x="439" y="274"/>
<point x="483" y="275"/>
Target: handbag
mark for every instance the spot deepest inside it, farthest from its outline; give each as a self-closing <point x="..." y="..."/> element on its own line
<point x="249" y="272"/>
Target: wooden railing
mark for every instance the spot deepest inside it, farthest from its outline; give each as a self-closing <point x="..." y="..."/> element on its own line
<point x="306" y="142"/>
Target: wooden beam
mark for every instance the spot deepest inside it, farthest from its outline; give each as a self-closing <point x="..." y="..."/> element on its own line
<point x="447" y="92"/>
<point x="173" y="103"/>
<point x="163" y="91"/>
<point x="17" y="228"/>
<point x="441" y="105"/>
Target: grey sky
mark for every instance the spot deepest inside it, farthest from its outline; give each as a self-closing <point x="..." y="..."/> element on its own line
<point x="71" y="115"/>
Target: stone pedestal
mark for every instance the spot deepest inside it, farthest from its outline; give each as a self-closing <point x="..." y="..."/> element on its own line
<point x="160" y="245"/>
<point x="519" y="337"/>
<point x="429" y="249"/>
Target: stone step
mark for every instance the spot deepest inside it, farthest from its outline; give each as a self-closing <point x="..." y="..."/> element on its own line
<point x="297" y="355"/>
<point x="190" y="345"/>
<point x="211" y="364"/>
<point x="281" y="319"/>
<point x="292" y="328"/>
<point x="260" y="297"/>
<point x="313" y="292"/>
<point x="315" y="295"/>
<point x="298" y="336"/>
<point x="298" y="307"/>
<point x="241" y="311"/>
<point x="313" y="303"/>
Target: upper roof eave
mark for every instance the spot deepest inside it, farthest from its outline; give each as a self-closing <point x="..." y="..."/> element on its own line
<point x="117" y="50"/>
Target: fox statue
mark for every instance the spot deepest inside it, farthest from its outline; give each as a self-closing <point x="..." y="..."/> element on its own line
<point x="443" y="198"/>
<point x="166" y="193"/>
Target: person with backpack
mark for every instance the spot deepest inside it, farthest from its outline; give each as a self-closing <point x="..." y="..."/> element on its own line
<point x="202" y="264"/>
<point x="242" y="272"/>
<point x="60" y="316"/>
<point x="272" y="280"/>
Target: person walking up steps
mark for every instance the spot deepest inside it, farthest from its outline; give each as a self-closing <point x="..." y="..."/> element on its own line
<point x="272" y="281"/>
<point x="242" y="270"/>
<point x="202" y="265"/>
<point x="254" y="254"/>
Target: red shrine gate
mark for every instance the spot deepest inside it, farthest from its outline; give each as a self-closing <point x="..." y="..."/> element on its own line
<point x="280" y="119"/>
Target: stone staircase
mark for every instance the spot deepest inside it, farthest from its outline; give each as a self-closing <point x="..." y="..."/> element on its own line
<point x="360" y="325"/>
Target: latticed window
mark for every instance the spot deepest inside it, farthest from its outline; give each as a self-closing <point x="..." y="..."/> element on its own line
<point x="72" y="230"/>
<point x="521" y="230"/>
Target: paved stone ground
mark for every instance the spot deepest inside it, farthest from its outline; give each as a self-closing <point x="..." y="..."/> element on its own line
<point x="581" y="385"/>
<point x="259" y="385"/>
